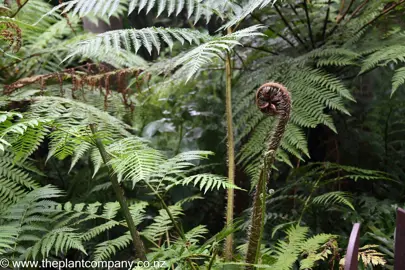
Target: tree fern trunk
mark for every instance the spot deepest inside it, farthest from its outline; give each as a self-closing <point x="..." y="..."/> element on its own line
<point x="272" y="99"/>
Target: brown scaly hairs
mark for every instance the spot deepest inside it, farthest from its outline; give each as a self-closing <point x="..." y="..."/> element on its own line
<point x="97" y="76"/>
<point x="272" y="99"/>
<point x="11" y="33"/>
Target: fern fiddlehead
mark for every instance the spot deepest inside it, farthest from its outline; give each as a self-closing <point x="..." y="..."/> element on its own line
<point x="272" y="99"/>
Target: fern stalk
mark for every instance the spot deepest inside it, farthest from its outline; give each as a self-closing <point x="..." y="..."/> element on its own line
<point x="176" y="226"/>
<point x="272" y="99"/>
<point x="231" y="157"/>
<point x="139" y="247"/>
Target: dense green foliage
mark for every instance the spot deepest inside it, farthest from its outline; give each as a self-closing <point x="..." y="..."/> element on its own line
<point x="113" y="130"/>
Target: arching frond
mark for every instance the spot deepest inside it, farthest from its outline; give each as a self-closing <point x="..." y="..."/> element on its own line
<point x="247" y="9"/>
<point x="106" y="8"/>
<point x="149" y="38"/>
<point x="335" y="197"/>
<point x="398" y="79"/>
<point x="162" y="222"/>
<point x="207" y="182"/>
<point x="193" y="60"/>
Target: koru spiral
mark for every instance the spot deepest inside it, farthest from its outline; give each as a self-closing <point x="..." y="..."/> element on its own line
<point x="273" y="99"/>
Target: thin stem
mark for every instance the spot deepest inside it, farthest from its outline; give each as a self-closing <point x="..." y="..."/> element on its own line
<point x="382" y="14"/>
<point x="341" y="17"/>
<point x="211" y="263"/>
<point x="231" y="156"/>
<point x="180" y="139"/>
<point x="19" y="8"/>
<point x="169" y="213"/>
<point x="139" y="247"/>
<point x="296" y="13"/>
<point x="308" y="198"/>
<point x="261" y="49"/>
<point x="386" y="130"/>
<point x="357" y="10"/>
<point x="309" y="24"/>
<point x="325" y="23"/>
<point x="288" y="26"/>
<point x="274" y="31"/>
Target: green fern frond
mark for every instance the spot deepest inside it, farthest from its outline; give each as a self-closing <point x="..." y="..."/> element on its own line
<point x="311" y="247"/>
<point x="196" y="234"/>
<point x="150" y="38"/>
<point x="334" y="197"/>
<point x="193" y="60"/>
<point x="162" y="223"/>
<point x="398" y="79"/>
<point x="107" y="249"/>
<point x="15" y="180"/>
<point x="207" y="182"/>
<point x="106" y="8"/>
<point x="8" y="237"/>
<point x="287" y="252"/>
<point x="384" y="56"/>
<point x="61" y="240"/>
<point x="133" y="160"/>
<point x="244" y="11"/>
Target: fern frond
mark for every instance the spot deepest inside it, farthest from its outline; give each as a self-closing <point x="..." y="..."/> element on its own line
<point x="334" y="197"/>
<point x="247" y="9"/>
<point x="149" y="38"/>
<point x="398" y="79"/>
<point x="162" y="223"/>
<point x="8" y="237"/>
<point x="384" y="56"/>
<point x="207" y="182"/>
<point x="61" y="240"/>
<point x="107" y="249"/>
<point x="193" y="60"/>
<point x="310" y="248"/>
<point x="287" y="252"/>
<point x="109" y="7"/>
<point x="133" y="160"/>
